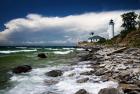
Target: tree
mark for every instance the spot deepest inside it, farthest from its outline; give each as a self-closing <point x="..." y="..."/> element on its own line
<point x="139" y="21"/>
<point x="129" y="20"/>
<point x="92" y="33"/>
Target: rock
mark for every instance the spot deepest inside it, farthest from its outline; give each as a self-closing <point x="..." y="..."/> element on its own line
<point x="22" y="69"/>
<point x="87" y="73"/>
<point x="50" y="82"/>
<point x="133" y="92"/>
<point x="100" y="72"/>
<point x="93" y="50"/>
<point x="72" y="74"/>
<point x="127" y="88"/>
<point x="83" y="80"/>
<point x="110" y="91"/>
<point x="86" y="57"/>
<point x="104" y="78"/>
<point x="125" y="77"/>
<point x="82" y="91"/>
<point x="42" y="55"/>
<point x="121" y="67"/>
<point x="137" y="82"/>
<point x="54" y="73"/>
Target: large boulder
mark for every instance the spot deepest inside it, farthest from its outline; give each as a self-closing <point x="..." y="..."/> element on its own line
<point x="54" y="73"/>
<point x="42" y="55"/>
<point x="22" y="69"/>
<point x="110" y="91"/>
<point x="82" y="91"/>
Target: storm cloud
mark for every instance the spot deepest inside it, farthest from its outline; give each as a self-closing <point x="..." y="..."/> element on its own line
<point x="36" y="29"/>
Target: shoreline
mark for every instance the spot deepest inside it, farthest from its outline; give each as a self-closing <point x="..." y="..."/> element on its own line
<point x="121" y="65"/>
<point x="91" y="71"/>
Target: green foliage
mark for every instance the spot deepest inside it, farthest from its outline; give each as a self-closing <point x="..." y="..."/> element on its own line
<point x="101" y="41"/>
<point x="124" y="33"/>
<point x="139" y="21"/>
<point x="129" y="20"/>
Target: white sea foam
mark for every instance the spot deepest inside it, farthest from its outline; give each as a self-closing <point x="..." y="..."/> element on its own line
<point x="34" y="81"/>
<point x="63" y="52"/>
<point x="68" y="48"/>
<point x="53" y="49"/>
<point x="16" y="51"/>
<point x="80" y="49"/>
<point x="69" y="86"/>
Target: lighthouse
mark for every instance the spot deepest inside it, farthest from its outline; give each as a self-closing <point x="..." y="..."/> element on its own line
<point x="111" y="29"/>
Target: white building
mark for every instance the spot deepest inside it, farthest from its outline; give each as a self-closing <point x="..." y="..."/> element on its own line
<point x="111" y="29"/>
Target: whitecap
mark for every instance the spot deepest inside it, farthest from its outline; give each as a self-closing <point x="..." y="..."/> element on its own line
<point x="62" y="52"/>
<point x="34" y="81"/>
<point x="16" y="51"/>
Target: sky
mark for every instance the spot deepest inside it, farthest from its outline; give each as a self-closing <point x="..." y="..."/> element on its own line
<point x="59" y="22"/>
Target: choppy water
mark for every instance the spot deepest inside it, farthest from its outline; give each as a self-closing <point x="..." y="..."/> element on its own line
<point x="36" y="82"/>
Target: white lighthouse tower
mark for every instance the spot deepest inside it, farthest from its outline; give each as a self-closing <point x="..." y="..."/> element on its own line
<point x="111" y="29"/>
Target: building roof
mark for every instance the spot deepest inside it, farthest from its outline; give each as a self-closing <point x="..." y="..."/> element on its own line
<point x="96" y="37"/>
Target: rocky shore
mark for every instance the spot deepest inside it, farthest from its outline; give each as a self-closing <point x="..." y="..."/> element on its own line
<point x="98" y="70"/>
<point x="121" y="65"/>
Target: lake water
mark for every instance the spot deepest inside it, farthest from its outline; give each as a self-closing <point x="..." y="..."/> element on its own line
<point x="36" y="82"/>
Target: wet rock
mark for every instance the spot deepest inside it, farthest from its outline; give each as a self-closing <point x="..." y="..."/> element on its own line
<point x="22" y="69"/>
<point x="72" y="74"/>
<point x="88" y="72"/>
<point x="83" y="80"/>
<point x="110" y="91"/>
<point x="50" y="82"/>
<point x="54" y="73"/>
<point x="86" y="57"/>
<point x="42" y="55"/>
<point x="82" y="91"/>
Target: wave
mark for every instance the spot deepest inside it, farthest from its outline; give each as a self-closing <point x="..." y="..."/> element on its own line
<point x="34" y="81"/>
<point x="68" y="48"/>
<point x="80" y="49"/>
<point x="53" y="49"/>
<point x="16" y="51"/>
<point x="62" y="52"/>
